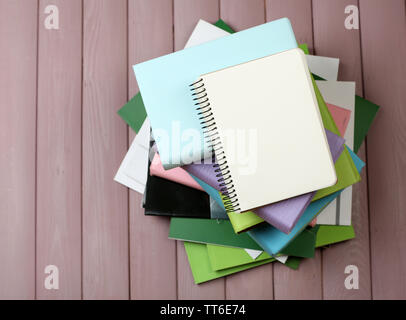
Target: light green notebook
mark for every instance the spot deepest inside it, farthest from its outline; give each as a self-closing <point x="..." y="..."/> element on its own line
<point x="209" y="231"/>
<point x="220" y="232"/>
<point x="222" y="258"/>
<point x="200" y="263"/>
<point x="327" y="235"/>
<point x="225" y="257"/>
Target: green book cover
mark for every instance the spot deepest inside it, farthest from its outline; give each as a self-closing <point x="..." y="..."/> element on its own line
<point x="293" y="262"/>
<point x="304" y="47"/>
<point x="220" y="232"/>
<point x="202" y="271"/>
<point x="222" y="25"/>
<point x="200" y="264"/>
<point x="242" y="222"/>
<point x="365" y="112"/>
<point x="303" y="245"/>
<point x="227" y="257"/>
<point x="327" y="235"/>
<point x="134" y="113"/>
<point x="222" y="257"/>
<point x="209" y="231"/>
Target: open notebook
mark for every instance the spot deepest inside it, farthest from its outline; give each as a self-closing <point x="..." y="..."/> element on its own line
<point x="272" y="104"/>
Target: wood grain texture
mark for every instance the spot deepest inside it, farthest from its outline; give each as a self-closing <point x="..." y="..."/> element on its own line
<point x="251" y="284"/>
<point x="304" y="283"/>
<point x="55" y="167"/>
<point x="328" y="20"/>
<point x="59" y="150"/>
<point x="299" y="13"/>
<point x="18" y="81"/>
<point x="187" y="289"/>
<point x="150" y="35"/>
<point x="256" y="283"/>
<point x="186" y="15"/>
<point x="105" y="202"/>
<point x="332" y="39"/>
<point x="242" y="14"/>
<point x="383" y="34"/>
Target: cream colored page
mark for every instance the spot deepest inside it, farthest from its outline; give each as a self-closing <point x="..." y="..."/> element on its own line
<point x="274" y="98"/>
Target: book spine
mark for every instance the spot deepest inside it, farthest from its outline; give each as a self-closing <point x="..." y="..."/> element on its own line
<point x="212" y="138"/>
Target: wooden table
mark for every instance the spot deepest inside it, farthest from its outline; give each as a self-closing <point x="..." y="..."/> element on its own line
<point x="61" y="143"/>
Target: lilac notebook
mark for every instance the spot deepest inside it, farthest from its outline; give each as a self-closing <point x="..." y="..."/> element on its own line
<point x="282" y="215"/>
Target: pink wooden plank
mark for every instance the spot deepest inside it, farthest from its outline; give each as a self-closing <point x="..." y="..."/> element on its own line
<point x="304" y="283"/>
<point x="345" y="44"/>
<point x="18" y="80"/>
<point x="256" y="283"/>
<point x="332" y="39"/>
<point x="383" y="34"/>
<point x="252" y="284"/>
<point x="59" y="150"/>
<point x="150" y="35"/>
<point x="187" y="289"/>
<point x="301" y="13"/>
<point x="242" y="14"/>
<point x="186" y="15"/>
<point x="105" y="203"/>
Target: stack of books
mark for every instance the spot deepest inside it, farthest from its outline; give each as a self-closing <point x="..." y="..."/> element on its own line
<point x="248" y="144"/>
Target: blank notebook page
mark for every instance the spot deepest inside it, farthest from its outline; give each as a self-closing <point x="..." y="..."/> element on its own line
<point x="273" y="99"/>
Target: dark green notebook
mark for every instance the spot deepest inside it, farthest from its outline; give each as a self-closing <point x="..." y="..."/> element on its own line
<point x="220" y="232"/>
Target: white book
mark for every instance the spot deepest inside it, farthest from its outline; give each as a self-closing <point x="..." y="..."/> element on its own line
<point x="324" y="67"/>
<point x="133" y="171"/>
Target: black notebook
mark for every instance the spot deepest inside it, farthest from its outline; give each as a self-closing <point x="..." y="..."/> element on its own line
<point x="167" y="198"/>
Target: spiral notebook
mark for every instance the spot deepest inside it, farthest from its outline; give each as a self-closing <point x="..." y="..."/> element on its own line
<point x="273" y="98"/>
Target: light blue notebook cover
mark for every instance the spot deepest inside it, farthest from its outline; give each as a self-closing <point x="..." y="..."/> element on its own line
<point x="164" y="85"/>
<point x="273" y="241"/>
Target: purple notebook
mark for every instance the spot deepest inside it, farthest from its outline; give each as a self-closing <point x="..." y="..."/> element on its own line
<point x="282" y="215"/>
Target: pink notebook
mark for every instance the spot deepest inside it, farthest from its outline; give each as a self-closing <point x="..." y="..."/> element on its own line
<point x="178" y="175"/>
<point x="341" y="117"/>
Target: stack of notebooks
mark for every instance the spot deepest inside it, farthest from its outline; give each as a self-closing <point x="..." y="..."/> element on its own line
<point x="248" y="144"/>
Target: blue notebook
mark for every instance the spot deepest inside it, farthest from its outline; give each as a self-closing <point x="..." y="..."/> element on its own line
<point x="273" y="240"/>
<point x="164" y="86"/>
